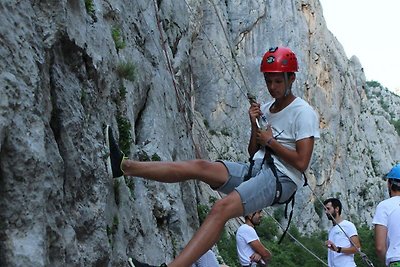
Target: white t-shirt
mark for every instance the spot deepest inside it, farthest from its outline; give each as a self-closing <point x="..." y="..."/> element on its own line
<point x="339" y="238"/>
<point x="245" y="235"/>
<point x="295" y="122"/>
<point x="207" y="260"/>
<point x="388" y="214"/>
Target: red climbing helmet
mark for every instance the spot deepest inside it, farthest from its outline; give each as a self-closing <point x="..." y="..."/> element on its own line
<point x="279" y="59"/>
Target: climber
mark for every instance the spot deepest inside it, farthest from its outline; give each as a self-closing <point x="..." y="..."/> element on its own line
<point x="386" y="221"/>
<point x="290" y="133"/>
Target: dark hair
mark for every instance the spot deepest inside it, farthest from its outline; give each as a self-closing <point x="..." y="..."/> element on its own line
<point x="249" y="216"/>
<point x="394" y="184"/>
<point x="335" y="203"/>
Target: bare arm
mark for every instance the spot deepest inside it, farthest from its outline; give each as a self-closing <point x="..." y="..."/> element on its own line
<point x="380" y="241"/>
<point x="259" y="248"/>
<point x="353" y="249"/>
<point x="298" y="158"/>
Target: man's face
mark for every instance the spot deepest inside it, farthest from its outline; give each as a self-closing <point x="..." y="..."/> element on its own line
<point x="256" y="220"/>
<point x="276" y="83"/>
<point x="330" y="211"/>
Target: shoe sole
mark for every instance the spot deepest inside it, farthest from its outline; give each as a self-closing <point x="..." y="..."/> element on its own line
<point x="109" y="168"/>
<point x="131" y="263"/>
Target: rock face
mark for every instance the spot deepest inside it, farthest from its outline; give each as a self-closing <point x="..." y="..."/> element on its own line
<point x="171" y="79"/>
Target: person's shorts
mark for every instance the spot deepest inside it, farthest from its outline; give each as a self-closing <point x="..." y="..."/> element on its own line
<point x="259" y="191"/>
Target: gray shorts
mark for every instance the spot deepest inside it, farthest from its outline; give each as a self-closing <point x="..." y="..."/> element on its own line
<point x="259" y="191"/>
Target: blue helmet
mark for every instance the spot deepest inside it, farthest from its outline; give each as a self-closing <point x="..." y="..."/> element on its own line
<point x="394" y="172"/>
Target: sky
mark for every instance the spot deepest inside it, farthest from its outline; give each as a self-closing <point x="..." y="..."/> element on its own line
<point x="370" y="30"/>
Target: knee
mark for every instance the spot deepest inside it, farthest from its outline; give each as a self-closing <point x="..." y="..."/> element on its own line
<point x="225" y="209"/>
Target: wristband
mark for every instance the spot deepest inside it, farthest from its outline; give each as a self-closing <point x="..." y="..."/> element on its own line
<point x="339" y="250"/>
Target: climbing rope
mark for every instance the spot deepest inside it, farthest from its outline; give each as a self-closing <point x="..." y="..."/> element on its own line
<point x="202" y="132"/>
<point x="170" y="68"/>
<point x="297" y="241"/>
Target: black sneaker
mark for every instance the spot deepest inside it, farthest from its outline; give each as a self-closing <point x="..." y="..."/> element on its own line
<point x="134" y="263"/>
<point x="116" y="155"/>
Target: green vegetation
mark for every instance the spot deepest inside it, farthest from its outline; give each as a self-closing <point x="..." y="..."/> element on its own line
<point x="318" y="208"/>
<point x="363" y="193"/>
<point x="118" y="39"/>
<point x="212" y="200"/>
<point x="384" y="105"/>
<point x="127" y="70"/>
<point x="89" y="7"/>
<point x="290" y="253"/>
<point x="368" y="246"/>
<point x="131" y="185"/>
<point x="142" y="155"/>
<point x="125" y="136"/>
<point x="396" y="124"/>
<point x="373" y="84"/>
<point x="267" y="229"/>
<point x="174" y="247"/>
<point x="227" y="249"/>
<point x="202" y="211"/>
<point x="122" y="92"/>
<point x="279" y="213"/>
<point x="155" y="157"/>
<point x="112" y="230"/>
<point x="83" y="97"/>
<point x="124" y="71"/>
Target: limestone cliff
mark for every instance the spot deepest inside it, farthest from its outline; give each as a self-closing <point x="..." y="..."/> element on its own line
<point x="171" y="79"/>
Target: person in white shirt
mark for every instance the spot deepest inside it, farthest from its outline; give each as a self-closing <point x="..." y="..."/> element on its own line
<point x="249" y="248"/>
<point x="386" y="221"/>
<point x="343" y="241"/>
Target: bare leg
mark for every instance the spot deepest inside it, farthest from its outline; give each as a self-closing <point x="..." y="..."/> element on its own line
<point x="210" y="231"/>
<point x="213" y="173"/>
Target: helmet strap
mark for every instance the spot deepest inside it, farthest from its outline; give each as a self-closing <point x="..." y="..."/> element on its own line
<point x="287" y="87"/>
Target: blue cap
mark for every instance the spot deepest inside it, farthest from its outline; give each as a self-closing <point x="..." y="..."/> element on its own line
<point x="394" y="172"/>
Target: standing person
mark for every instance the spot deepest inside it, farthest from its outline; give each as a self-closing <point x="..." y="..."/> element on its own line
<point x="343" y="241"/>
<point x="293" y="126"/>
<point x="248" y="245"/>
<point x="386" y="221"/>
